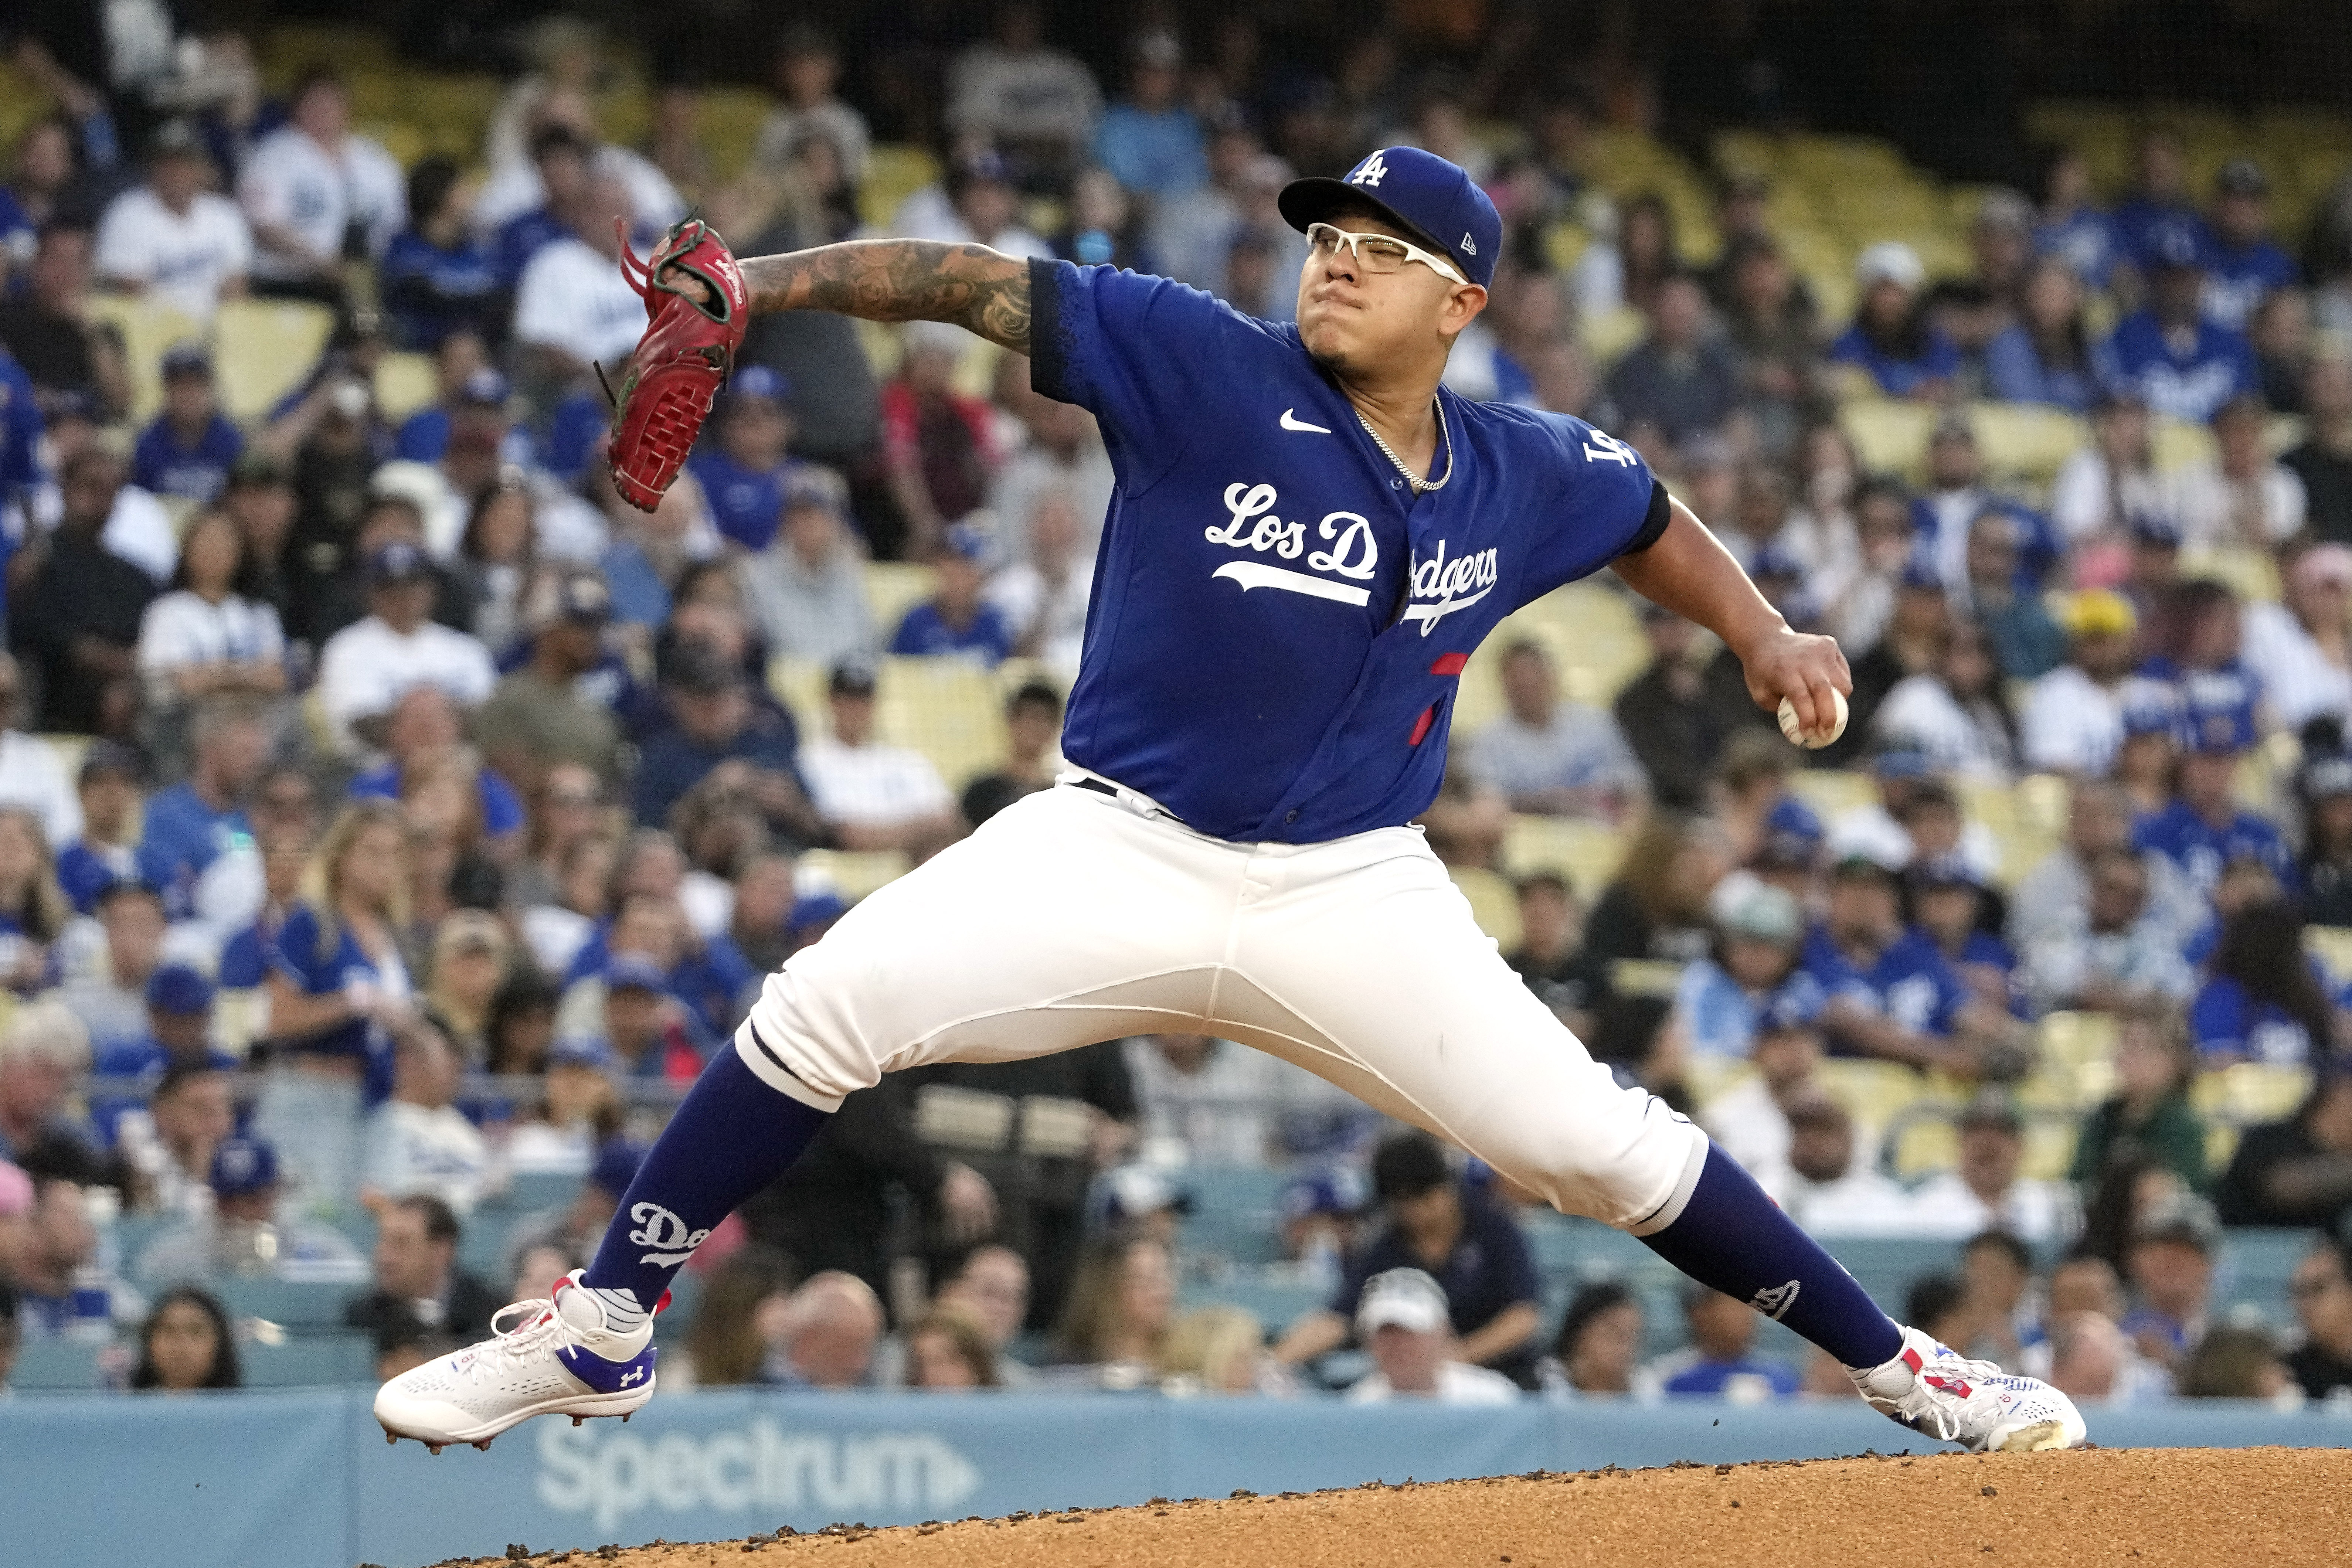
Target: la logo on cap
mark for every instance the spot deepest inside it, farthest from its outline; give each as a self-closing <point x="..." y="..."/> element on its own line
<point x="1370" y="171"/>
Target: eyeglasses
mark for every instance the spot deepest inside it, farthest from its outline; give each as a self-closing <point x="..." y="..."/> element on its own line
<point x="1377" y="253"/>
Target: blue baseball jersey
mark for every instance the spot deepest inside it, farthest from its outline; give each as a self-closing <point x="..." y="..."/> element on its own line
<point x="2237" y="277"/>
<point x="747" y="504"/>
<point x="1278" y="622"/>
<point x="196" y="471"/>
<point x="2085" y="241"/>
<point x="2201" y="849"/>
<point x="1910" y="982"/>
<point x="2188" y="381"/>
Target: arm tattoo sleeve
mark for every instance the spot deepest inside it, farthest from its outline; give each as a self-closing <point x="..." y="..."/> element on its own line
<point x="982" y="290"/>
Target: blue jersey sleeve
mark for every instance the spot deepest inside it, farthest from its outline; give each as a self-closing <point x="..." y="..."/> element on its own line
<point x="1142" y="354"/>
<point x="298" y="953"/>
<point x="2217" y="1018"/>
<point x="1607" y="504"/>
<point x="502" y="810"/>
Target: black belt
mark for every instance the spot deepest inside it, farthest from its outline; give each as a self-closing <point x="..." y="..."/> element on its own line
<point x="1097" y="785"/>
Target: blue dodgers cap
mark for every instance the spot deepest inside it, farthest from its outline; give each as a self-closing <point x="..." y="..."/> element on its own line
<point x="757" y="381"/>
<point x="812" y="909"/>
<point x="2152" y="710"/>
<point x="398" y="561"/>
<point x="1435" y="202"/>
<point x="581" y="1051"/>
<point x="486" y="388"/>
<point x="2173" y="244"/>
<point x="179" y="992"/>
<point x="243" y="1165"/>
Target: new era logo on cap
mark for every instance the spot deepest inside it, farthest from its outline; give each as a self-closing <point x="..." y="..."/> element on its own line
<point x="1418" y="191"/>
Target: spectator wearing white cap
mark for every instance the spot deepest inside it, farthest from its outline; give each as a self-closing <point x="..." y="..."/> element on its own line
<point x="1402" y="1319"/>
<point x="1891" y="338"/>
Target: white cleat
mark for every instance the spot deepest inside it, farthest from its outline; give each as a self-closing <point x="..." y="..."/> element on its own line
<point x="559" y="1359"/>
<point x="1931" y="1389"/>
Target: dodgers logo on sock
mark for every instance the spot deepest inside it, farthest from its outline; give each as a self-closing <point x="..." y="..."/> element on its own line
<point x="1775" y="1299"/>
<point x="666" y="1234"/>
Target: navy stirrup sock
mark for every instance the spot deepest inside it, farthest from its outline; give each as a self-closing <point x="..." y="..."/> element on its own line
<point x="732" y="1135"/>
<point x="1731" y="1237"/>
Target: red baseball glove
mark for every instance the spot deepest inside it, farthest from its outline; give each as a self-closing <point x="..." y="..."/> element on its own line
<point x="682" y="361"/>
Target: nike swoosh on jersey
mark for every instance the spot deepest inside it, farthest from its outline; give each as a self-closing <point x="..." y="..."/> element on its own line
<point x="1290" y="421"/>
<point x="1256" y="574"/>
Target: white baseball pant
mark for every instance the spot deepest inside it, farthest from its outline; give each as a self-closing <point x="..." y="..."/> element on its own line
<point x="1073" y="917"/>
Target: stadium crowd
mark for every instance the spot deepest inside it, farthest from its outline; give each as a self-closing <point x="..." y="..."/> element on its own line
<point x="389" y="815"/>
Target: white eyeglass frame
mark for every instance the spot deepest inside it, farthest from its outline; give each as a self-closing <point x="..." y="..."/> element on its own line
<point x="1350" y="238"/>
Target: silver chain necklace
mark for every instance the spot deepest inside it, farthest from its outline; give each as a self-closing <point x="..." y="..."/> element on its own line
<point x="1420" y="486"/>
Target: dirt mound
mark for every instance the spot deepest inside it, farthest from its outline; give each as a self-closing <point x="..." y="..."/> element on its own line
<point x="2147" y="1508"/>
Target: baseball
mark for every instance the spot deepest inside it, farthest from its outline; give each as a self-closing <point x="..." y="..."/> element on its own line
<point x="1812" y="743"/>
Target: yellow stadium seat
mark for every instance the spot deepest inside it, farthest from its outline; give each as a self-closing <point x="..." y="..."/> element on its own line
<point x="1565" y="244"/>
<point x="799" y="685"/>
<point x="1491" y="903"/>
<point x="405" y="140"/>
<point x="1926" y="1146"/>
<point x="857" y="874"/>
<point x="2177" y="443"/>
<point x="2027" y="439"/>
<point x="1833" y="792"/>
<point x="2049" y="1148"/>
<point x="404" y="383"/>
<point x="263" y="348"/>
<point x="2332" y="945"/>
<point x="1586" y="853"/>
<point x="1873" y="1092"/>
<point x="731" y="117"/>
<point x="147" y="328"/>
<point x="894" y="587"/>
<point x="1608" y="335"/>
<point x="894" y="172"/>
<point x="1711" y="1078"/>
<point x="1888" y="436"/>
<point x="2250" y="1092"/>
<point x="947" y="709"/>
<point x="2251" y="572"/>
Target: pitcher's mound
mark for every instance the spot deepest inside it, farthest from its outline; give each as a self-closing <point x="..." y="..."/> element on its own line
<point x="2147" y="1508"/>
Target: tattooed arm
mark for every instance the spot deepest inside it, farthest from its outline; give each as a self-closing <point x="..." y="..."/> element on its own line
<point x="978" y="289"/>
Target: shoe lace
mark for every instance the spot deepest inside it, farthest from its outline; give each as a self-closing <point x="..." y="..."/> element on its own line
<point x="1933" y="1395"/>
<point x="540" y="1327"/>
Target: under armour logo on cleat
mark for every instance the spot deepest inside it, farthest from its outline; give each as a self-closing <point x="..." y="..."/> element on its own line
<point x="632" y="1375"/>
<point x="1775" y="1299"/>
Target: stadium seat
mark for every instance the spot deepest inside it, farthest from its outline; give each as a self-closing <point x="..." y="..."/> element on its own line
<point x="894" y="587"/>
<point x="895" y="171"/>
<point x="2177" y="443"/>
<point x="854" y="873"/>
<point x="1833" y="792"/>
<point x="1873" y="1092"/>
<point x="1586" y="853"/>
<point x="1609" y="333"/>
<point x="2248" y="1093"/>
<point x="2252" y="572"/>
<point x="2027" y="439"/>
<point x="1888" y="436"/>
<point x="56" y="1366"/>
<point x="308" y="1361"/>
<point x="404" y="383"/>
<point x="1276" y="1303"/>
<point x="945" y="709"/>
<point x="263" y="348"/>
<point x="2332" y="945"/>
<point x="147" y="328"/>
<point x="287" y="1303"/>
<point x="1491" y="903"/>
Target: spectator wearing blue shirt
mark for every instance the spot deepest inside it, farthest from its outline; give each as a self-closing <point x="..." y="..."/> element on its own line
<point x="193" y="823"/>
<point x="472" y="410"/>
<point x="1891" y="338"/>
<point x="2264" y="998"/>
<point x="1720" y="1361"/>
<point x="2203" y="829"/>
<point x="644" y="1027"/>
<point x="709" y="975"/>
<point x="436" y="278"/>
<point x="107" y="787"/>
<point x="956" y="622"/>
<point x="1723" y="999"/>
<point x="744" y="472"/>
<point x="1464" y="1241"/>
<point x="338" y="985"/>
<point x="2044" y="356"/>
<point x="2071" y="229"/>
<point x="179" y="1007"/>
<point x="2242" y="263"/>
<point x="189" y="449"/>
<point x="1683" y="376"/>
<point x="563" y="159"/>
<point x="424" y="731"/>
<point x="1149" y="141"/>
<point x="2168" y="354"/>
<point x="20" y="434"/>
<point x="1888" y="992"/>
<point x="1952" y="908"/>
<point x="2159" y="197"/>
<point x="714" y="724"/>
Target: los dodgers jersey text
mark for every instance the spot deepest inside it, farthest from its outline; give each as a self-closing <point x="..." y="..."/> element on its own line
<point x="1278" y="622"/>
